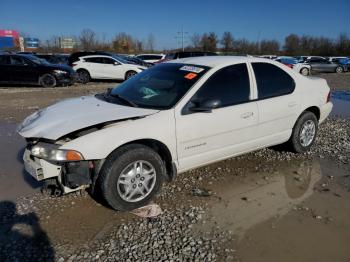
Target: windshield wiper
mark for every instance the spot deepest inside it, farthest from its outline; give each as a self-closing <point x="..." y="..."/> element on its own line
<point x="131" y="103"/>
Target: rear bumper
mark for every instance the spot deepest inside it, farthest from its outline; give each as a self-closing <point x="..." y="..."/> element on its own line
<point x="325" y="110"/>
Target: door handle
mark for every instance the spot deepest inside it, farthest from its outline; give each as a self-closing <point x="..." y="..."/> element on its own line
<point x="291" y="104"/>
<point x="247" y="115"/>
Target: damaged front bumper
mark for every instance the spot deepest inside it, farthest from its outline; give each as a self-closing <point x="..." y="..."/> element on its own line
<point x="67" y="176"/>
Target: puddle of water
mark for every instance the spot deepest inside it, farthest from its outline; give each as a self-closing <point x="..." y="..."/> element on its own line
<point x="261" y="211"/>
<point x="247" y="203"/>
<point x="341" y="103"/>
<point x="14" y="181"/>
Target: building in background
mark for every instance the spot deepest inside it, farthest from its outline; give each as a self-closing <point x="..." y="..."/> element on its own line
<point x="67" y="44"/>
<point x="31" y="44"/>
<point x="9" y="39"/>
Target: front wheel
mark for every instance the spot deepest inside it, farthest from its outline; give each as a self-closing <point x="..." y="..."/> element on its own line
<point x="304" y="133"/>
<point x="131" y="177"/>
<point x="48" y="80"/>
<point x="130" y="74"/>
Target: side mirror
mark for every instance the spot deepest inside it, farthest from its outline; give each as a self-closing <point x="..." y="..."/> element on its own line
<point x="116" y="63"/>
<point x="205" y="106"/>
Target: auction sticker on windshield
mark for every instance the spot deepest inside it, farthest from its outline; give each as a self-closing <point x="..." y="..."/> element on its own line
<point x="193" y="69"/>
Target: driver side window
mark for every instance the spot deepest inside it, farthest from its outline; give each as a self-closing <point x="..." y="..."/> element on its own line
<point x="230" y="85"/>
<point x="15" y="60"/>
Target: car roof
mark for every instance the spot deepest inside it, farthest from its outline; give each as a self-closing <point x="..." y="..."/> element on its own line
<point x="91" y="56"/>
<point x="214" y="61"/>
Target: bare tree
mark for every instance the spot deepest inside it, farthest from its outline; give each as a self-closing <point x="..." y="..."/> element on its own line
<point x="196" y="41"/>
<point x="150" y="44"/>
<point x="88" y="39"/>
<point x="209" y="42"/>
<point x="227" y="41"/>
<point x="269" y="47"/>
<point x="292" y="44"/>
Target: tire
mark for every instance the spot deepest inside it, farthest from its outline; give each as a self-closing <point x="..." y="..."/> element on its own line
<point x="129" y="74"/>
<point x="47" y="80"/>
<point x="305" y="71"/>
<point x="308" y="124"/>
<point x="121" y="187"/>
<point x="84" y="76"/>
<point x="339" y="69"/>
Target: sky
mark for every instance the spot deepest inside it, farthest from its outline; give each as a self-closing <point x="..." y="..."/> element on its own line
<point x="253" y="20"/>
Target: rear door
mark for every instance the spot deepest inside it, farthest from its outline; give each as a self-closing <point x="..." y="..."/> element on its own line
<point x="5" y="69"/>
<point x="277" y="102"/>
<point x="23" y="70"/>
<point x="204" y="137"/>
<point x="95" y="66"/>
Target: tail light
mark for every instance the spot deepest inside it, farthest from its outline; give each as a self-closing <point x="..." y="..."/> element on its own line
<point x="329" y="96"/>
<point x="74" y="64"/>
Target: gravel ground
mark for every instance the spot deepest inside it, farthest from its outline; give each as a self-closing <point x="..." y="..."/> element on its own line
<point x="169" y="237"/>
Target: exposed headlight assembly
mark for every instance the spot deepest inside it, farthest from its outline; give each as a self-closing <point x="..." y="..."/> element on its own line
<point x="60" y="72"/>
<point x="55" y="154"/>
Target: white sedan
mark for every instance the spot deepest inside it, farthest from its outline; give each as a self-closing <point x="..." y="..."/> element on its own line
<point x="171" y="118"/>
<point x="105" y="67"/>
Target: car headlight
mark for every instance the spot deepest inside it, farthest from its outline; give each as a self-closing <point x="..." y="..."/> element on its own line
<point x="60" y="72"/>
<point x="141" y="68"/>
<point x="55" y="154"/>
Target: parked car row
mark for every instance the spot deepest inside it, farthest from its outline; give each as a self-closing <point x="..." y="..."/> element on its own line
<point x="50" y="70"/>
<point x="317" y="64"/>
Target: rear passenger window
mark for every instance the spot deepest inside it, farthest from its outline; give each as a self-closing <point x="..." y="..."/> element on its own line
<point x="272" y="81"/>
<point x="4" y="60"/>
<point x="230" y="85"/>
<point x="98" y="60"/>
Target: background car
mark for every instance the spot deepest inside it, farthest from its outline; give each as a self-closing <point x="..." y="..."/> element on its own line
<point x="75" y="56"/>
<point x="105" y="67"/>
<point x="151" y="58"/>
<point x="135" y="60"/>
<point x="293" y="63"/>
<point x="28" y="69"/>
<point x="322" y="65"/>
<point x="342" y="60"/>
<point x="179" y="55"/>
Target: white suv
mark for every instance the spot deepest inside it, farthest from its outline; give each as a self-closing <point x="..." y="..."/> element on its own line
<point x="170" y="118"/>
<point x="105" y="67"/>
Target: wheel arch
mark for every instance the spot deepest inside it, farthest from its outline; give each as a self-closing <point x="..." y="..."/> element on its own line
<point x="159" y="147"/>
<point x="313" y="109"/>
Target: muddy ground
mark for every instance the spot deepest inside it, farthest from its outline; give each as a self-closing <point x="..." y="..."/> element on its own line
<point x="268" y="205"/>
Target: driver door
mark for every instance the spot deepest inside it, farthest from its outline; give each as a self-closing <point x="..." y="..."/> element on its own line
<point x="228" y="129"/>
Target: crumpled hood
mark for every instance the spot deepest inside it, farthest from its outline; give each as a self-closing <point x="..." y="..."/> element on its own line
<point x="74" y="114"/>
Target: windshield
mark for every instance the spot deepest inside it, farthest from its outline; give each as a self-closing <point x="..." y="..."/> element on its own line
<point x="122" y="59"/>
<point x="161" y="86"/>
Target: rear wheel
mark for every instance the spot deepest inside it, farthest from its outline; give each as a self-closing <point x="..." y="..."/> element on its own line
<point x="339" y="69"/>
<point x="48" y="80"/>
<point x="130" y="74"/>
<point x="83" y="76"/>
<point x="304" y="133"/>
<point x="131" y="176"/>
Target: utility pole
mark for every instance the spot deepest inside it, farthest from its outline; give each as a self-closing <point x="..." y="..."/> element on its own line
<point x="181" y="36"/>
